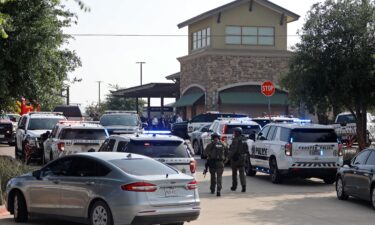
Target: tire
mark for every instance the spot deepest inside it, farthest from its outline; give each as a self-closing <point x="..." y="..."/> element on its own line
<point x="276" y="177"/>
<point x="249" y="169"/>
<point x="373" y="196"/>
<point x="100" y="214"/>
<point x="341" y="195"/>
<point x="196" y="147"/>
<point x="329" y="180"/>
<point x="19" y="208"/>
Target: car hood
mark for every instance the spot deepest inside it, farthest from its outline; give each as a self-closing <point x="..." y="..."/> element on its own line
<point x="36" y="133"/>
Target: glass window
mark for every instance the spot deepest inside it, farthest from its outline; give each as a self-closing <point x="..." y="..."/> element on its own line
<point x="119" y="120"/>
<point x="158" y="149"/>
<point x="233" y="30"/>
<point x="265" y="40"/>
<point x="122" y="146"/>
<point x="208" y="36"/>
<point x="271" y="133"/>
<point x="108" y="145"/>
<point x="284" y="134"/>
<point x="314" y="135"/>
<point x="84" y="167"/>
<point x="143" y="167"/>
<point x="249" y="31"/>
<point x="247" y="129"/>
<point x="371" y="159"/>
<point x="204" y="38"/>
<point x="60" y="167"/>
<point x="349" y="118"/>
<point x="233" y="39"/>
<point x="361" y="158"/>
<point x="83" y="134"/>
<point x="199" y="39"/>
<point x="42" y="123"/>
<point x="265" y="31"/>
<point x="194" y="40"/>
<point x="264" y="133"/>
<point x="249" y="40"/>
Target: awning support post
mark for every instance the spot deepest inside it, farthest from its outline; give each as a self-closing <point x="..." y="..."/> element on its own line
<point x="148" y="108"/>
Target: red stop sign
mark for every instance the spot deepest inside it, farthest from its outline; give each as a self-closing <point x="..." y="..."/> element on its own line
<point x="268" y="88"/>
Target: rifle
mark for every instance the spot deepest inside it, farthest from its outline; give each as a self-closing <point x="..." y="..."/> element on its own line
<point x="205" y="169"/>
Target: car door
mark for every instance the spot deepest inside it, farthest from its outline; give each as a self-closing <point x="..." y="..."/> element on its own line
<point x="79" y="187"/>
<point x="354" y="175"/>
<point x="44" y="194"/>
<point x="21" y="131"/>
<point x="48" y="144"/>
<point x="365" y="176"/>
<point x="258" y="158"/>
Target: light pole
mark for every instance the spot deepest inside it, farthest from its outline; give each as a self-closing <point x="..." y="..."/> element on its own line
<point x="141" y="64"/>
<point x="75" y="79"/>
<point x="99" y="83"/>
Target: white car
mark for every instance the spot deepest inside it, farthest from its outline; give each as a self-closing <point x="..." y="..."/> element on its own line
<point x="302" y="150"/>
<point x="71" y="137"/>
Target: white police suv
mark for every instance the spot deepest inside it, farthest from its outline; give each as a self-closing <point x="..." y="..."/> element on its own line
<point x="300" y="150"/>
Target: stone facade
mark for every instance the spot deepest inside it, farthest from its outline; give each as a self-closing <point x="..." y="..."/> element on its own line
<point x="215" y="70"/>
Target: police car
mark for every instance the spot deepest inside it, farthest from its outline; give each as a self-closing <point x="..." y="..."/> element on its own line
<point x="302" y="150"/>
<point x="70" y="137"/>
<point x="122" y="122"/>
<point x="165" y="148"/>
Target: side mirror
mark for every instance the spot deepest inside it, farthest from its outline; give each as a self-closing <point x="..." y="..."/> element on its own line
<point x="144" y="125"/>
<point x="36" y="174"/>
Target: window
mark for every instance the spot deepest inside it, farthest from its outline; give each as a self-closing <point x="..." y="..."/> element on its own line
<point x="42" y="123"/>
<point x="200" y="119"/>
<point x="271" y="133"/>
<point x="361" y="158"/>
<point x="22" y="123"/>
<point x="58" y="168"/>
<point x="119" y="120"/>
<point x="246" y="129"/>
<point x="122" y="146"/>
<point x="284" y="134"/>
<point x="143" y="167"/>
<point x="371" y="159"/>
<point x="108" y="145"/>
<point x="84" y="167"/>
<point x="201" y="38"/>
<point x="249" y="35"/>
<point x="314" y="135"/>
<point x="264" y="133"/>
<point x="158" y="149"/>
<point x="83" y="134"/>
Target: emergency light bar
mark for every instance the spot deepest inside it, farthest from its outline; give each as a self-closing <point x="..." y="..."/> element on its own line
<point x="302" y="121"/>
<point x="68" y="122"/>
<point x="47" y="113"/>
<point x="165" y="132"/>
<point x="119" y="111"/>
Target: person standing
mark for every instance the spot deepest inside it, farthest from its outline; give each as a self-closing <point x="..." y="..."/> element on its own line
<point x="237" y="156"/>
<point x="155" y="123"/>
<point x="216" y="153"/>
<point x="179" y="119"/>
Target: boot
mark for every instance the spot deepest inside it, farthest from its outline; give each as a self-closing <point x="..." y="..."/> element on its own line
<point x="243" y="188"/>
<point x="218" y="194"/>
<point x="212" y="191"/>
<point x="233" y="188"/>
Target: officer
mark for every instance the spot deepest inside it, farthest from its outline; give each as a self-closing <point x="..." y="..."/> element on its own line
<point x="216" y="153"/>
<point x="237" y="156"/>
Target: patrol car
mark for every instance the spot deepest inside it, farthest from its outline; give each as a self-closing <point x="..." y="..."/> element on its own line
<point x="168" y="149"/>
<point x="70" y="137"/>
<point x="303" y="150"/>
<point x="122" y="122"/>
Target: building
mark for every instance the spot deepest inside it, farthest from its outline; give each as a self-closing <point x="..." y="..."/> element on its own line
<point x="232" y="50"/>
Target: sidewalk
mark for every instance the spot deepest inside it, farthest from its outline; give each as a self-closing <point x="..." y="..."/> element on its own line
<point x="3" y="211"/>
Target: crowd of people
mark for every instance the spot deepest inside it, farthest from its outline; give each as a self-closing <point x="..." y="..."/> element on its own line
<point x="162" y="123"/>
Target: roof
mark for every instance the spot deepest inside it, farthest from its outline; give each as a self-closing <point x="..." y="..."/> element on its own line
<point x="291" y="16"/>
<point x="79" y="125"/>
<point x="173" y="76"/>
<point x="237" y="121"/>
<point x="152" y="90"/>
<point x="108" y="156"/>
<point x="46" y="115"/>
<point x="187" y="100"/>
<point x="148" y="137"/>
<point x="69" y="110"/>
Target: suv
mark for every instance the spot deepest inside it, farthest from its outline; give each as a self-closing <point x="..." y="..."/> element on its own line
<point x="7" y="130"/>
<point x="224" y="127"/>
<point x="70" y="137"/>
<point x="263" y="121"/>
<point x="122" y="122"/>
<point x="208" y="118"/>
<point x="302" y="150"/>
<point x="171" y="150"/>
<point x="28" y="134"/>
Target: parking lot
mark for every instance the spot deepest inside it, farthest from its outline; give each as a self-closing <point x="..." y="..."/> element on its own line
<point x="295" y="202"/>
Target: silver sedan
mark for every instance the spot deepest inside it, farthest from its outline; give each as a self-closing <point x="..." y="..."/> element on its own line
<point x="196" y="139"/>
<point x="105" y="188"/>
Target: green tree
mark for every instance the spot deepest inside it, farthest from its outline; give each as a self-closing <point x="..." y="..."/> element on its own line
<point x="33" y="62"/>
<point x="332" y="66"/>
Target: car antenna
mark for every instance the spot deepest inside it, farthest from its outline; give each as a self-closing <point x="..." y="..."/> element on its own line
<point x="166" y="176"/>
<point x="129" y="155"/>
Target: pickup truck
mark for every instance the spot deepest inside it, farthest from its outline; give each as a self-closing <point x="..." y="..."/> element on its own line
<point x="346" y="128"/>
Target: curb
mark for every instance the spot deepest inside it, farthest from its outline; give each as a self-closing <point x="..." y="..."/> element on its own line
<point x="3" y="211"/>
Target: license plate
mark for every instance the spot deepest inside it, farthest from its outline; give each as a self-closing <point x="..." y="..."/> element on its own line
<point x="316" y="152"/>
<point x="170" y="192"/>
<point x="2" y="136"/>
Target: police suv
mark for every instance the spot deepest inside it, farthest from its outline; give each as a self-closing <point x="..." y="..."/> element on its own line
<point x="70" y="137"/>
<point x="302" y="150"/>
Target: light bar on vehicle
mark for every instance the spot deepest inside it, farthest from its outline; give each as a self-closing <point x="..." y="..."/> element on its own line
<point x="302" y="121"/>
<point x="47" y="113"/>
<point x="157" y="132"/>
<point x="119" y="111"/>
<point x="72" y="122"/>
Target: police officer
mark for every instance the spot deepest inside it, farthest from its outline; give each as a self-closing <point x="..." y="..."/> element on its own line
<point x="216" y="153"/>
<point x="237" y="156"/>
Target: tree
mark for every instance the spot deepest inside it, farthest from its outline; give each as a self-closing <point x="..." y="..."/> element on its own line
<point x="332" y="66"/>
<point x="33" y="63"/>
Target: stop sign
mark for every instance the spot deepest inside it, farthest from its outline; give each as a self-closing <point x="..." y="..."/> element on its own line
<point x="268" y="88"/>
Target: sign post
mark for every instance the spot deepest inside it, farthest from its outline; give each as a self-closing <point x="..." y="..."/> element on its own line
<point x="268" y="89"/>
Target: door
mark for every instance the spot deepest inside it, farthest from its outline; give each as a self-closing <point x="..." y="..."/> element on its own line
<point x="21" y="132"/>
<point x="259" y="155"/>
<point x="44" y="194"/>
<point x="354" y="176"/>
<point x="365" y="176"/>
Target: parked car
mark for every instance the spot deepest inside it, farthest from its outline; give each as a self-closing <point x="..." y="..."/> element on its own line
<point x="71" y="112"/>
<point x="105" y="188"/>
<point x="29" y="144"/>
<point x="357" y="177"/>
<point x="7" y="130"/>
<point x="180" y="129"/>
<point x="122" y="122"/>
<point x="171" y="150"/>
<point x="71" y="137"/>
<point x="196" y="139"/>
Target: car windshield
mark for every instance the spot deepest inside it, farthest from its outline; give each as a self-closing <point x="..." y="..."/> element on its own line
<point x="143" y="166"/>
<point x="157" y="148"/>
<point x="313" y="135"/>
<point x="14" y="118"/>
<point x="262" y="122"/>
<point x="83" y="134"/>
<point x="43" y="123"/>
<point x="246" y="129"/>
<point x="119" y="120"/>
<point x="348" y="118"/>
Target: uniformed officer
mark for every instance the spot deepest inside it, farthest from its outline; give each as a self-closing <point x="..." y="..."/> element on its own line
<point x="216" y="153"/>
<point x="237" y="156"/>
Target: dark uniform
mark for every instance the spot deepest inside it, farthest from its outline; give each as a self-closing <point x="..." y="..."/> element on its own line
<point x="237" y="155"/>
<point x="216" y="153"/>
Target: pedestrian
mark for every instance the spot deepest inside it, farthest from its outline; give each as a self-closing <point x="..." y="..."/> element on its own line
<point x="237" y="156"/>
<point x="216" y="153"/>
<point x="155" y="123"/>
<point x="179" y="119"/>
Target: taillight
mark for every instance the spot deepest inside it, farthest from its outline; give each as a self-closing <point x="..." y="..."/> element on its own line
<point x="341" y="153"/>
<point x="61" y="146"/>
<point x="193" y="166"/>
<point x="192" y="185"/>
<point x="224" y="130"/>
<point x="288" y="149"/>
<point x="139" y="187"/>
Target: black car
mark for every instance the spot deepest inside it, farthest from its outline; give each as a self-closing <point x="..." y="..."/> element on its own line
<point x="356" y="178"/>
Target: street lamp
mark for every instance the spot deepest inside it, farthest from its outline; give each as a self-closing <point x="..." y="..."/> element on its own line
<point x="141" y="64"/>
<point x="70" y="82"/>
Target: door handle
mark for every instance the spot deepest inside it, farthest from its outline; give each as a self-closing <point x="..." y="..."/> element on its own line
<point x="90" y="183"/>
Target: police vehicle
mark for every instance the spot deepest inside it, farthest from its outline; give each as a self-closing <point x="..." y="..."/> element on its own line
<point x="122" y="122"/>
<point x="165" y="148"/>
<point x="302" y="150"/>
<point x="70" y="137"/>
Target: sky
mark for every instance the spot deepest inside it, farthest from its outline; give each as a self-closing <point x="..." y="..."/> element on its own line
<point x="113" y="59"/>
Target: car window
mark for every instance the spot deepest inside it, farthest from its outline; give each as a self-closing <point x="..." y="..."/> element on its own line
<point x="284" y="134"/>
<point x="60" y="167"/>
<point x="271" y="133"/>
<point x="262" y="122"/>
<point x="199" y="119"/>
<point x="158" y="148"/>
<point x="122" y="146"/>
<point x="246" y="129"/>
<point x="107" y="146"/>
<point x="119" y="120"/>
<point x="314" y="135"/>
<point x="83" y="134"/>
<point x="348" y="118"/>
<point x="264" y="133"/>
<point x="54" y="131"/>
<point x="22" y="122"/>
<point x="361" y="158"/>
<point x="143" y="167"/>
<point x="42" y="123"/>
<point x="84" y="167"/>
<point x="371" y="159"/>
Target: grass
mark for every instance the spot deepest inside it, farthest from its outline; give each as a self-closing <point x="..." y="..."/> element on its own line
<point x="10" y="168"/>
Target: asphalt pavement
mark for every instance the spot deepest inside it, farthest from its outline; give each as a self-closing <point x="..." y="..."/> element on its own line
<point x="295" y="202"/>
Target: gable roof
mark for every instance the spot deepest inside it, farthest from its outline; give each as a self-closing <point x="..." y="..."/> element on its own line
<point x="291" y="16"/>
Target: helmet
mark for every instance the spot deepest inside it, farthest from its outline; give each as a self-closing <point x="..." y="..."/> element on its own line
<point x="237" y="131"/>
<point x="215" y="135"/>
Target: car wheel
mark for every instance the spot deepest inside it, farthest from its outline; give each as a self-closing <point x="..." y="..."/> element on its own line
<point x="196" y="147"/>
<point x="249" y="168"/>
<point x="329" y="180"/>
<point x="100" y="214"/>
<point x="19" y="208"/>
<point x="340" y="190"/>
<point x="276" y="177"/>
<point x="373" y="196"/>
